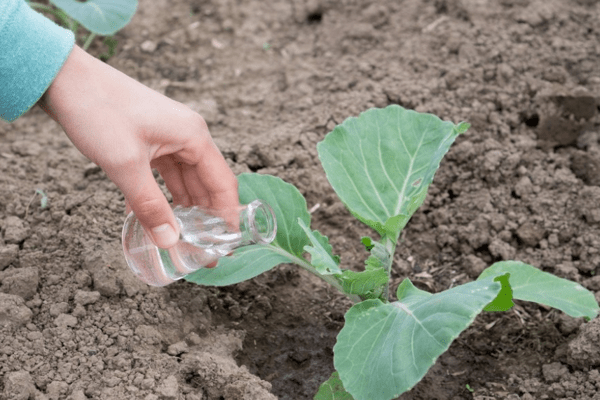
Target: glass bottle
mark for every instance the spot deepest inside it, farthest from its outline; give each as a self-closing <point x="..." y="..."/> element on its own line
<point x="204" y="238"/>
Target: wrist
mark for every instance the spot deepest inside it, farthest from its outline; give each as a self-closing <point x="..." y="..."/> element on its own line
<point x="68" y="87"/>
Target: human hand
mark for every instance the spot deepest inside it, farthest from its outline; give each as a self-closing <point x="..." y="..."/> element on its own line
<point x="127" y="128"/>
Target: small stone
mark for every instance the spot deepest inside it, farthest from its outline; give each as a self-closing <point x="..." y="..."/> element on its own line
<point x="554" y="371"/>
<point x="53" y="279"/>
<point x="83" y="279"/>
<point x="79" y="311"/>
<point x="65" y="320"/>
<point x="177" y="348"/>
<point x="34" y="336"/>
<point x="583" y="351"/>
<point x="148" y="383"/>
<point x="26" y="148"/>
<point x="55" y="390"/>
<point x="18" y="386"/>
<point x="8" y="254"/>
<point x="149" y="334"/>
<point x="568" y="324"/>
<point x="13" y="311"/>
<point x="592" y="283"/>
<point x="84" y="297"/>
<point x="530" y="233"/>
<point x="105" y="282"/>
<point x="21" y="282"/>
<point x="474" y="265"/>
<point x="77" y="395"/>
<point x="58" y="308"/>
<point x="169" y="388"/>
<point x="586" y="167"/>
<point x="148" y="46"/>
<point x="193" y="339"/>
<point x="15" y="230"/>
<point x="501" y="249"/>
<point x="523" y="187"/>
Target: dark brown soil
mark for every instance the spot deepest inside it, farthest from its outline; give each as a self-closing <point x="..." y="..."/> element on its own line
<point x="271" y="78"/>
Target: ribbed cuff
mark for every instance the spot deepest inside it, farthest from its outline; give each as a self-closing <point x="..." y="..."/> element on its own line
<point x="32" y="51"/>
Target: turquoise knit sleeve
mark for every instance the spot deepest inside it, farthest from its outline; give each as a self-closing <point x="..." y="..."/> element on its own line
<point x="32" y="51"/>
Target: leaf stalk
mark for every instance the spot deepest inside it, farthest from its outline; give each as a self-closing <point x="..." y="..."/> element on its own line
<point x="331" y="279"/>
<point x="390" y="246"/>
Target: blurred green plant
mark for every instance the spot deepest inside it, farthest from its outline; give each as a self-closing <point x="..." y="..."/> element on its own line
<point x="97" y="17"/>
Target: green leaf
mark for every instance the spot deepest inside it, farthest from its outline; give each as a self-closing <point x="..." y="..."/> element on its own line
<point x="289" y="206"/>
<point x="379" y="257"/>
<point x="44" y="199"/>
<point x="102" y="17"/>
<point x="502" y="302"/>
<point x="245" y="263"/>
<point x="383" y="350"/>
<point x="530" y="284"/>
<point x="322" y="257"/>
<point x="382" y="162"/>
<point x="332" y="389"/>
<point x="369" y="283"/>
<point x="409" y="294"/>
<point x="367" y="242"/>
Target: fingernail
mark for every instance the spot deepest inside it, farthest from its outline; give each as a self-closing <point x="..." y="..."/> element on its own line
<point x="164" y="236"/>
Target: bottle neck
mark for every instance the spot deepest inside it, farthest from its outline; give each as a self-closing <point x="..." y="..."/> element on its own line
<point x="257" y="223"/>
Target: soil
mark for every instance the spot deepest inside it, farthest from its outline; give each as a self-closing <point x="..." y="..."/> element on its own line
<point x="271" y="78"/>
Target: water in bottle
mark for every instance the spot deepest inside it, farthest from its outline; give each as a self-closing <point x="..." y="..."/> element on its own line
<point x="205" y="236"/>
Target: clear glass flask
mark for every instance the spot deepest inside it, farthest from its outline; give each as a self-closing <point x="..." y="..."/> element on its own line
<point x="204" y="238"/>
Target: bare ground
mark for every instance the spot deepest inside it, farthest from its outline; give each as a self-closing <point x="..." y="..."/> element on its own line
<point x="272" y="78"/>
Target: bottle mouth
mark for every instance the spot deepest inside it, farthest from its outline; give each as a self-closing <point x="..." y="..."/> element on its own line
<point x="262" y="222"/>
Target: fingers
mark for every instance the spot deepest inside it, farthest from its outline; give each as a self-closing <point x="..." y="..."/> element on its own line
<point x="172" y="173"/>
<point x="195" y="186"/>
<point x="147" y="201"/>
<point x="205" y="173"/>
<point x="218" y="179"/>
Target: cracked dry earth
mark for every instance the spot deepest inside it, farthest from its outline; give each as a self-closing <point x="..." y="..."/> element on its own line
<point x="271" y="78"/>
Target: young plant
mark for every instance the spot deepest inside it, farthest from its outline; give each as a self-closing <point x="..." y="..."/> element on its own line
<point x="381" y="164"/>
<point x="99" y="17"/>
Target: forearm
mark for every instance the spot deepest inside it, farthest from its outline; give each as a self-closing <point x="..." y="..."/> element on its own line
<point x="33" y="50"/>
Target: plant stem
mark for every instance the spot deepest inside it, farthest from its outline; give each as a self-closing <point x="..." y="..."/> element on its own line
<point x="307" y="266"/>
<point x="57" y="12"/>
<point x="88" y="41"/>
<point x="390" y="246"/>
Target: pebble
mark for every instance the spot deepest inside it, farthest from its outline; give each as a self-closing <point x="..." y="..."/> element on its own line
<point x="169" y="388"/>
<point x="15" y="230"/>
<point x="77" y="395"/>
<point x="65" y="320"/>
<point x="8" y="254"/>
<point x="34" y="335"/>
<point x="18" y="386"/>
<point x="148" y="46"/>
<point x="79" y="311"/>
<point x="21" y="282"/>
<point x="13" y="311"/>
<point x="177" y="348"/>
<point x="84" y="297"/>
<point x="58" y="308"/>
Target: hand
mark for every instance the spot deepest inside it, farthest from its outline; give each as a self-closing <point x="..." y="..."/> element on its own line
<point x="127" y="129"/>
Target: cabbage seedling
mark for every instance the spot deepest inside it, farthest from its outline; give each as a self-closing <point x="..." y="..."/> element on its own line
<point x="100" y="17"/>
<point x="381" y="164"/>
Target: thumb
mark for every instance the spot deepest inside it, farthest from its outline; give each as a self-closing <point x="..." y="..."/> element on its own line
<point x="150" y="206"/>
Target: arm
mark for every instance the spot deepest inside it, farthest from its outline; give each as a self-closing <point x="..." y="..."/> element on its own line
<point x="127" y="128"/>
